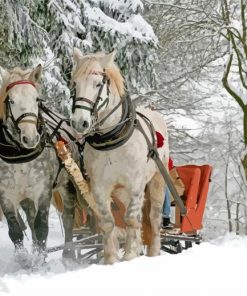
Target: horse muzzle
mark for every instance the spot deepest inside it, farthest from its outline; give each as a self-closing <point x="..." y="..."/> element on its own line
<point x="29" y="142"/>
<point x="81" y="126"/>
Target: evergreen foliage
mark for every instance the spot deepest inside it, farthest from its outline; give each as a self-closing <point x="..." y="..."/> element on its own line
<point x="38" y="31"/>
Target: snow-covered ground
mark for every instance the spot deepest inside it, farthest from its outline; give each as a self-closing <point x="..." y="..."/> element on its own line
<point x="217" y="267"/>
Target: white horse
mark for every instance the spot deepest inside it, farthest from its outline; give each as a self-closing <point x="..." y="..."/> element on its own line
<point x="29" y="166"/>
<point x="116" y="152"/>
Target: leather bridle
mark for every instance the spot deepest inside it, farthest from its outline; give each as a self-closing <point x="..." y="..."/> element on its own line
<point x="22" y="117"/>
<point x="94" y="106"/>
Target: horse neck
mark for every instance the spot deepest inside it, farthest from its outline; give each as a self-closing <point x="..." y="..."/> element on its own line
<point x="114" y="118"/>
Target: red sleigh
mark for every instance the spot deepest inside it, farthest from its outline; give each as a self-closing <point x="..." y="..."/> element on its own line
<point x="196" y="180"/>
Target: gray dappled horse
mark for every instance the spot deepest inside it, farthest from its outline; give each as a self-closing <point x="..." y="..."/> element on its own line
<point x="29" y="166"/>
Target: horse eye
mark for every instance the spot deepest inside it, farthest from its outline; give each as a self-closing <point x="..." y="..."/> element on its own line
<point x="98" y="84"/>
<point x="11" y="101"/>
<point x="40" y="100"/>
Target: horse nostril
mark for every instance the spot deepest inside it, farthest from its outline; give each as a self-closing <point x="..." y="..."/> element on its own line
<point x="25" y="139"/>
<point x="85" y="124"/>
<point x="37" y="138"/>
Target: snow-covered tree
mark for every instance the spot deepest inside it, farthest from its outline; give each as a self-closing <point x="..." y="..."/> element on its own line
<point x="21" y="38"/>
<point x="38" y="31"/>
<point x="194" y="44"/>
<point x="118" y="24"/>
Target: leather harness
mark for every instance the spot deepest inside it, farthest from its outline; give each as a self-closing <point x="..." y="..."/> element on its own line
<point x="121" y="133"/>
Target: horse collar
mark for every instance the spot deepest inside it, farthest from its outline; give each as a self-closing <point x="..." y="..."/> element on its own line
<point x="120" y="134"/>
<point x="12" y="152"/>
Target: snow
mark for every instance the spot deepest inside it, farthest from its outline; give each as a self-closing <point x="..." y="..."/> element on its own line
<point x="213" y="268"/>
<point x="135" y="27"/>
<point x="123" y="5"/>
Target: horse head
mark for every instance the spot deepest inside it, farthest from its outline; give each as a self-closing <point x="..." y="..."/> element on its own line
<point x="19" y="105"/>
<point x="98" y="87"/>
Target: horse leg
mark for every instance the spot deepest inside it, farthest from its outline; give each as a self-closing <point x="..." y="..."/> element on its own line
<point x="15" y="231"/>
<point x="156" y="189"/>
<point x="106" y="223"/>
<point x="68" y="193"/>
<point x="133" y="218"/>
<point x="30" y="211"/>
<point x="41" y="224"/>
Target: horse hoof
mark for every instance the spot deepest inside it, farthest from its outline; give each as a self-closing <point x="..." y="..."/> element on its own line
<point x="38" y="247"/>
<point x="38" y="260"/>
<point x="153" y="252"/>
<point x="109" y="260"/>
<point x="129" y="256"/>
<point x="69" y="254"/>
<point x="23" y="258"/>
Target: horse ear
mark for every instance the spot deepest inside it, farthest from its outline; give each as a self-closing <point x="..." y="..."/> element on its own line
<point x="3" y="73"/>
<point x="77" y="54"/>
<point x="108" y="59"/>
<point x="36" y="73"/>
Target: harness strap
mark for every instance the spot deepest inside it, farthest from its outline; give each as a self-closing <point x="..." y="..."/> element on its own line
<point x="154" y="154"/>
<point x="58" y="172"/>
<point x="55" y="131"/>
<point x="18" y="83"/>
<point x="151" y="129"/>
<point x="21" y="119"/>
<point x="99" y="123"/>
<point x="82" y="99"/>
<point x="94" y="108"/>
<point x="54" y="117"/>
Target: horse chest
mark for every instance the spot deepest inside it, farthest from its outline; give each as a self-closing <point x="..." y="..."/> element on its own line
<point x="22" y="180"/>
<point x="118" y="165"/>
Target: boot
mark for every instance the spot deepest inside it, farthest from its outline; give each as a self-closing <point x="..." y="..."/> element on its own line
<point x="166" y="223"/>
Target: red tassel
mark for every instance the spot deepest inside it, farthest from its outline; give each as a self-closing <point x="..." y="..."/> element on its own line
<point x="60" y="138"/>
<point x="160" y="139"/>
<point x="170" y="164"/>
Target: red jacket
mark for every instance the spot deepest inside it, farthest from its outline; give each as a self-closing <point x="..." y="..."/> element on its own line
<point x="170" y="164"/>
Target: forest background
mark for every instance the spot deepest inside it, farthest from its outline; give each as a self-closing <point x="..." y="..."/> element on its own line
<point x="186" y="58"/>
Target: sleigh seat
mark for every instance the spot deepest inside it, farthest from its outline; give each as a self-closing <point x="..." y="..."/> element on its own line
<point x="196" y="180"/>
